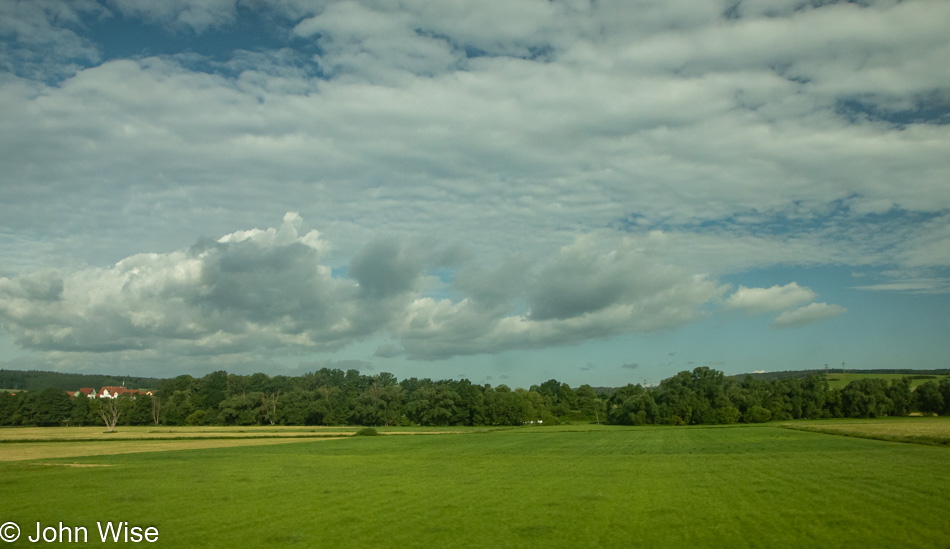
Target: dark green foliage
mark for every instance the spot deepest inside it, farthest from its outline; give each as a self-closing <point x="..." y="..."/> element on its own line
<point x="140" y="411"/>
<point x="728" y="414"/>
<point x="334" y="397"/>
<point x="8" y="407"/>
<point x="758" y="414"/>
<point x="505" y="407"/>
<point x="706" y="396"/>
<point x="52" y="407"/>
<point x="432" y="405"/>
<point x="930" y="398"/>
<point x="82" y="412"/>
<point x="866" y="398"/>
<point x="366" y="432"/>
<point x="934" y="397"/>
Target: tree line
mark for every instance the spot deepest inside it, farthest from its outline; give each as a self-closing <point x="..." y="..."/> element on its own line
<point x="334" y="397"/>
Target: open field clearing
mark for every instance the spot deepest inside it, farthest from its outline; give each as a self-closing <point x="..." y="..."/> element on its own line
<point x="920" y="430"/>
<point x="570" y="486"/>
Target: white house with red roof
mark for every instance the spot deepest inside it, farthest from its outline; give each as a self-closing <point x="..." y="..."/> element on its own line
<point x="109" y="392"/>
<point x="114" y="392"/>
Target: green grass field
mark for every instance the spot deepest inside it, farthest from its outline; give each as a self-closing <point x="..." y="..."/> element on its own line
<point x="569" y="486"/>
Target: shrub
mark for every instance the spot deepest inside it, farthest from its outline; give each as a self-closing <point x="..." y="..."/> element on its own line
<point x="728" y="414"/>
<point x="758" y="414"/>
<point x="366" y="432"/>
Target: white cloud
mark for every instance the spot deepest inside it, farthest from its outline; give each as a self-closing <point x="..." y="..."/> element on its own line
<point x="249" y="290"/>
<point x="268" y="291"/>
<point x="910" y="280"/>
<point x="917" y="286"/>
<point x="41" y="39"/>
<point x="761" y="300"/>
<point x="794" y="134"/>
<point x="582" y="292"/>
<point x="813" y="312"/>
<point x="375" y="45"/>
<point x="494" y="146"/>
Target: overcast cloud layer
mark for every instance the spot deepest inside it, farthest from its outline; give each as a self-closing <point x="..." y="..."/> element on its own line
<point x="452" y="179"/>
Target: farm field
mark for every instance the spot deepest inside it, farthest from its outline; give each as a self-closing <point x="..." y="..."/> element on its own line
<point x="840" y="381"/>
<point x="568" y="486"/>
<point x="28" y="443"/>
<point x="920" y="430"/>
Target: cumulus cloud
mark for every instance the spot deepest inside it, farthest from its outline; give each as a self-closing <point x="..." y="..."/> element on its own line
<point x="269" y="290"/>
<point x="386" y="269"/>
<point x="577" y="294"/>
<point x="813" y="312"/>
<point x="247" y="290"/>
<point x="761" y="300"/>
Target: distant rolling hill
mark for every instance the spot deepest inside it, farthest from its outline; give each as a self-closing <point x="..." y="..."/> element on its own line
<point x="838" y="378"/>
<point x="36" y="380"/>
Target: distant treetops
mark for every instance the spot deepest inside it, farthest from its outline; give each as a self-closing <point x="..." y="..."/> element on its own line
<point x="334" y="397"/>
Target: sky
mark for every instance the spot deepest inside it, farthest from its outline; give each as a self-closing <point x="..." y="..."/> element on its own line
<point x="595" y="191"/>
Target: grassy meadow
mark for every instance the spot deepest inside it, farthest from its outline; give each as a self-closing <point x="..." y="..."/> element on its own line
<point x="567" y="486"/>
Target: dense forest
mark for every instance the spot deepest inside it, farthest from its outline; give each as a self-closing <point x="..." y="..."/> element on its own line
<point x="335" y="397"/>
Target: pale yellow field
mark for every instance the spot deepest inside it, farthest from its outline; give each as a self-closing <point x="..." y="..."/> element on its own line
<point x="51" y="450"/>
<point x="909" y="429"/>
<point x="157" y="433"/>
<point x="32" y="443"/>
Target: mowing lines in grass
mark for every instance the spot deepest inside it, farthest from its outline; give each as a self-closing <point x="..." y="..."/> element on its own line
<point x="714" y="487"/>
